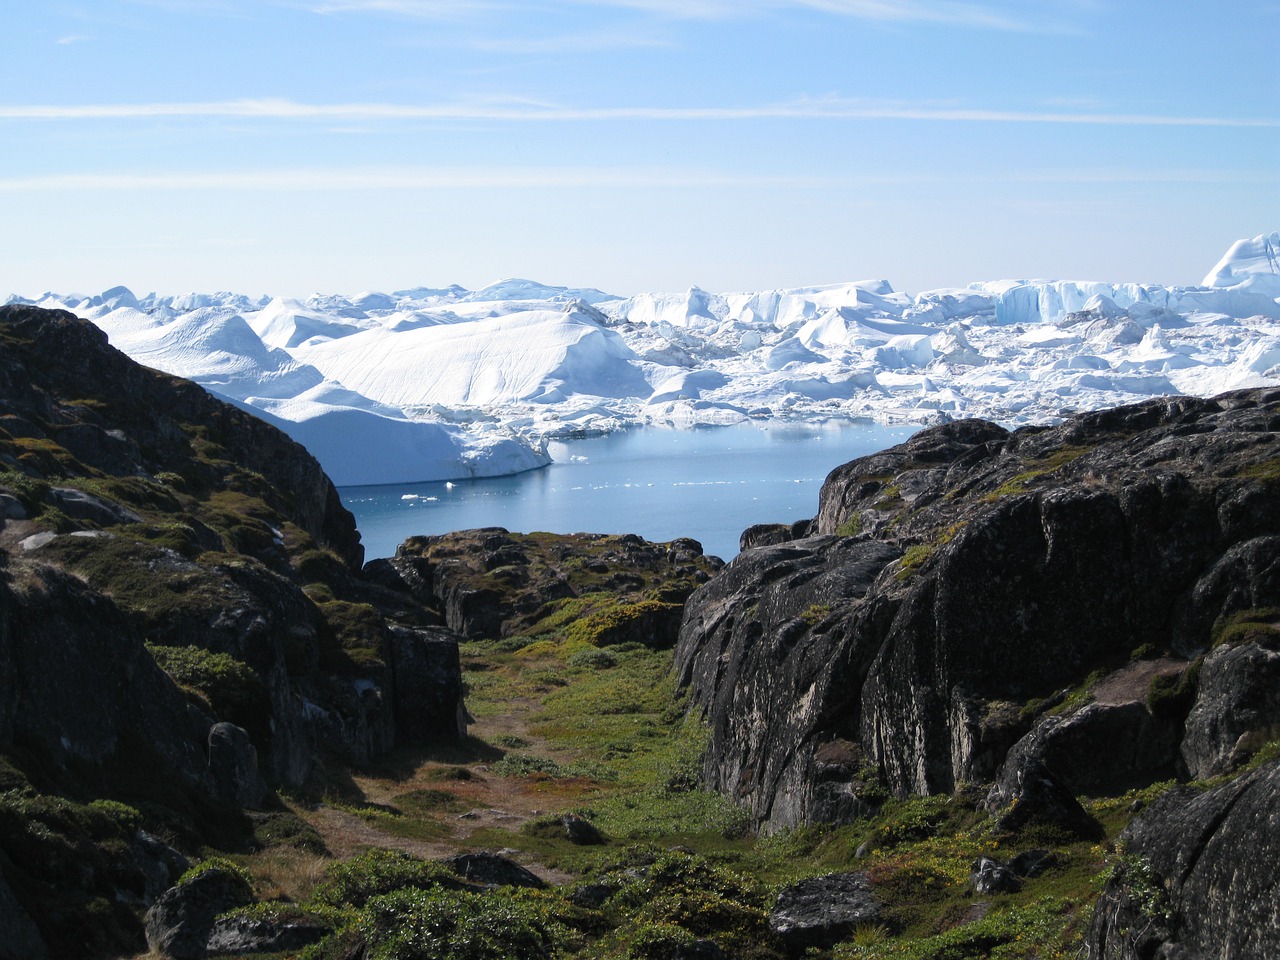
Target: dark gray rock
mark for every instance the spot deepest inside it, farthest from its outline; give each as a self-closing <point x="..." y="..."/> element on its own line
<point x="11" y="508"/>
<point x="1139" y="748"/>
<point x="987" y="569"/>
<point x="427" y="680"/>
<point x="492" y="870"/>
<point x="233" y="768"/>
<point x="1199" y="876"/>
<point x="160" y="864"/>
<point x="1027" y="792"/>
<point x="821" y="911"/>
<point x="19" y="937"/>
<point x="750" y="654"/>
<point x="1238" y="700"/>
<point x="582" y="832"/>
<point x="76" y="682"/>
<point x="765" y="535"/>
<point x="1032" y="863"/>
<point x="989" y="876"/>
<point x="236" y="934"/>
<point x="83" y="506"/>
<point x="178" y="925"/>
<point x="593" y="896"/>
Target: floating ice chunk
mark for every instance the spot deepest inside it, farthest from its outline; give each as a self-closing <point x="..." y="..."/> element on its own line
<point x="906" y="351"/>
<point x="788" y="351"/>
<point x="1081" y="361"/>
<point x="1254" y="263"/>
<point x="687" y="385"/>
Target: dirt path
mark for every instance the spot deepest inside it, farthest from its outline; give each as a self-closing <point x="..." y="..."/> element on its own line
<point x="483" y="798"/>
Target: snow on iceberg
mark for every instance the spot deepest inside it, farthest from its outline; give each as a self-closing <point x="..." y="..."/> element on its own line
<point x="443" y="382"/>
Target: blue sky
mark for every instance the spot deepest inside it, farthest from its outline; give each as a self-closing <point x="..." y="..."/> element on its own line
<point x="291" y="146"/>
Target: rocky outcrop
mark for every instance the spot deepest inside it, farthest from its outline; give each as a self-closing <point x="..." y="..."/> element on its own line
<point x="1198" y="877"/>
<point x="185" y="521"/>
<point x="63" y="382"/>
<point x="1237" y="708"/>
<point x="491" y="582"/>
<point x="427" y="680"/>
<point x="179" y="923"/>
<point x="77" y="685"/>
<point x="21" y="939"/>
<point x="962" y="578"/>
<point x="821" y="911"/>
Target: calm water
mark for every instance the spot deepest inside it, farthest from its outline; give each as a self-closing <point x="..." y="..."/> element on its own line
<point x="708" y="483"/>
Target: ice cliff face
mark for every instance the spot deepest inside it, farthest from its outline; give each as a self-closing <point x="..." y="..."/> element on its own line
<point x="445" y="383"/>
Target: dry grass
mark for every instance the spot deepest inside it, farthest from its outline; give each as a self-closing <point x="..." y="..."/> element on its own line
<point x="286" y="873"/>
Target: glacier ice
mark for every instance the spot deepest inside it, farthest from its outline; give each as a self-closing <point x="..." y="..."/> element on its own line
<point x="446" y="383"/>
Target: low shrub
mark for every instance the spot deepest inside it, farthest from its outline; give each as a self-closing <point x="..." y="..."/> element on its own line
<point x="356" y="881"/>
<point x="416" y="924"/>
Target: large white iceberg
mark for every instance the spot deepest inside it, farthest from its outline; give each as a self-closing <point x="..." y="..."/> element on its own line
<point x="442" y="382"/>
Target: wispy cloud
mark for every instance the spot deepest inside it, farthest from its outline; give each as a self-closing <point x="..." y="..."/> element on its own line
<point x="397" y="178"/>
<point x="70" y="39"/>
<point x="955" y="12"/>
<point x="532" y="112"/>
<point x="902" y="11"/>
<point x="420" y="9"/>
<point x="523" y="178"/>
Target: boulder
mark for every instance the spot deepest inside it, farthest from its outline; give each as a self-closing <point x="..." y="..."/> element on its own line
<point x="21" y="939"/>
<point x="492" y="870"/>
<point x="988" y="876"/>
<point x="1027" y="792"/>
<point x="427" y="681"/>
<point x="1141" y="748"/>
<point x="241" y="933"/>
<point x="160" y="864"/>
<point x="582" y="831"/>
<point x="233" y="768"/>
<point x="1237" y="702"/>
<point x="593" y="896"/>
<point x="178" y="925"/>
<point x="821" y="911"/>
<point x="1198" y="878"/>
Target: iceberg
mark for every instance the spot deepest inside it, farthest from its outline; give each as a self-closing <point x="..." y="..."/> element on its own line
<point x="432" y="383"/>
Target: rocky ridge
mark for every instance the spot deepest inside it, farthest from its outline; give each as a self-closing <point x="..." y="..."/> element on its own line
<point x="185" y="627"/>
<point x="1076" y="610"/>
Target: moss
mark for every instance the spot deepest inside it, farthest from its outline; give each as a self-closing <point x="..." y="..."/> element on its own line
<point x="1173" y="695"/>
<point x="351" y="636"/>
<point x="51" y="518"/>
<point x="31" y="492"/>
<point x="1266" y="470"/>
<point x="1022" y="482"/>
<point x="613" y="623"/>
<point x="816" y="613"/>
<point x="851" y="526"/>
<point x="286" y="829"/>
<point x="914" y="558"/>
<point x="222" y="865"/>
<point x="232" y="690"/>
<point x="1259" y="625"/>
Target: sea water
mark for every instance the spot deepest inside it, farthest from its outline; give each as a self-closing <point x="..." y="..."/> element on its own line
<point x="707" y="483"/>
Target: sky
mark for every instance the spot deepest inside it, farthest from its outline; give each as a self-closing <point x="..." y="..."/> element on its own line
<point x="286" y="147"/>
